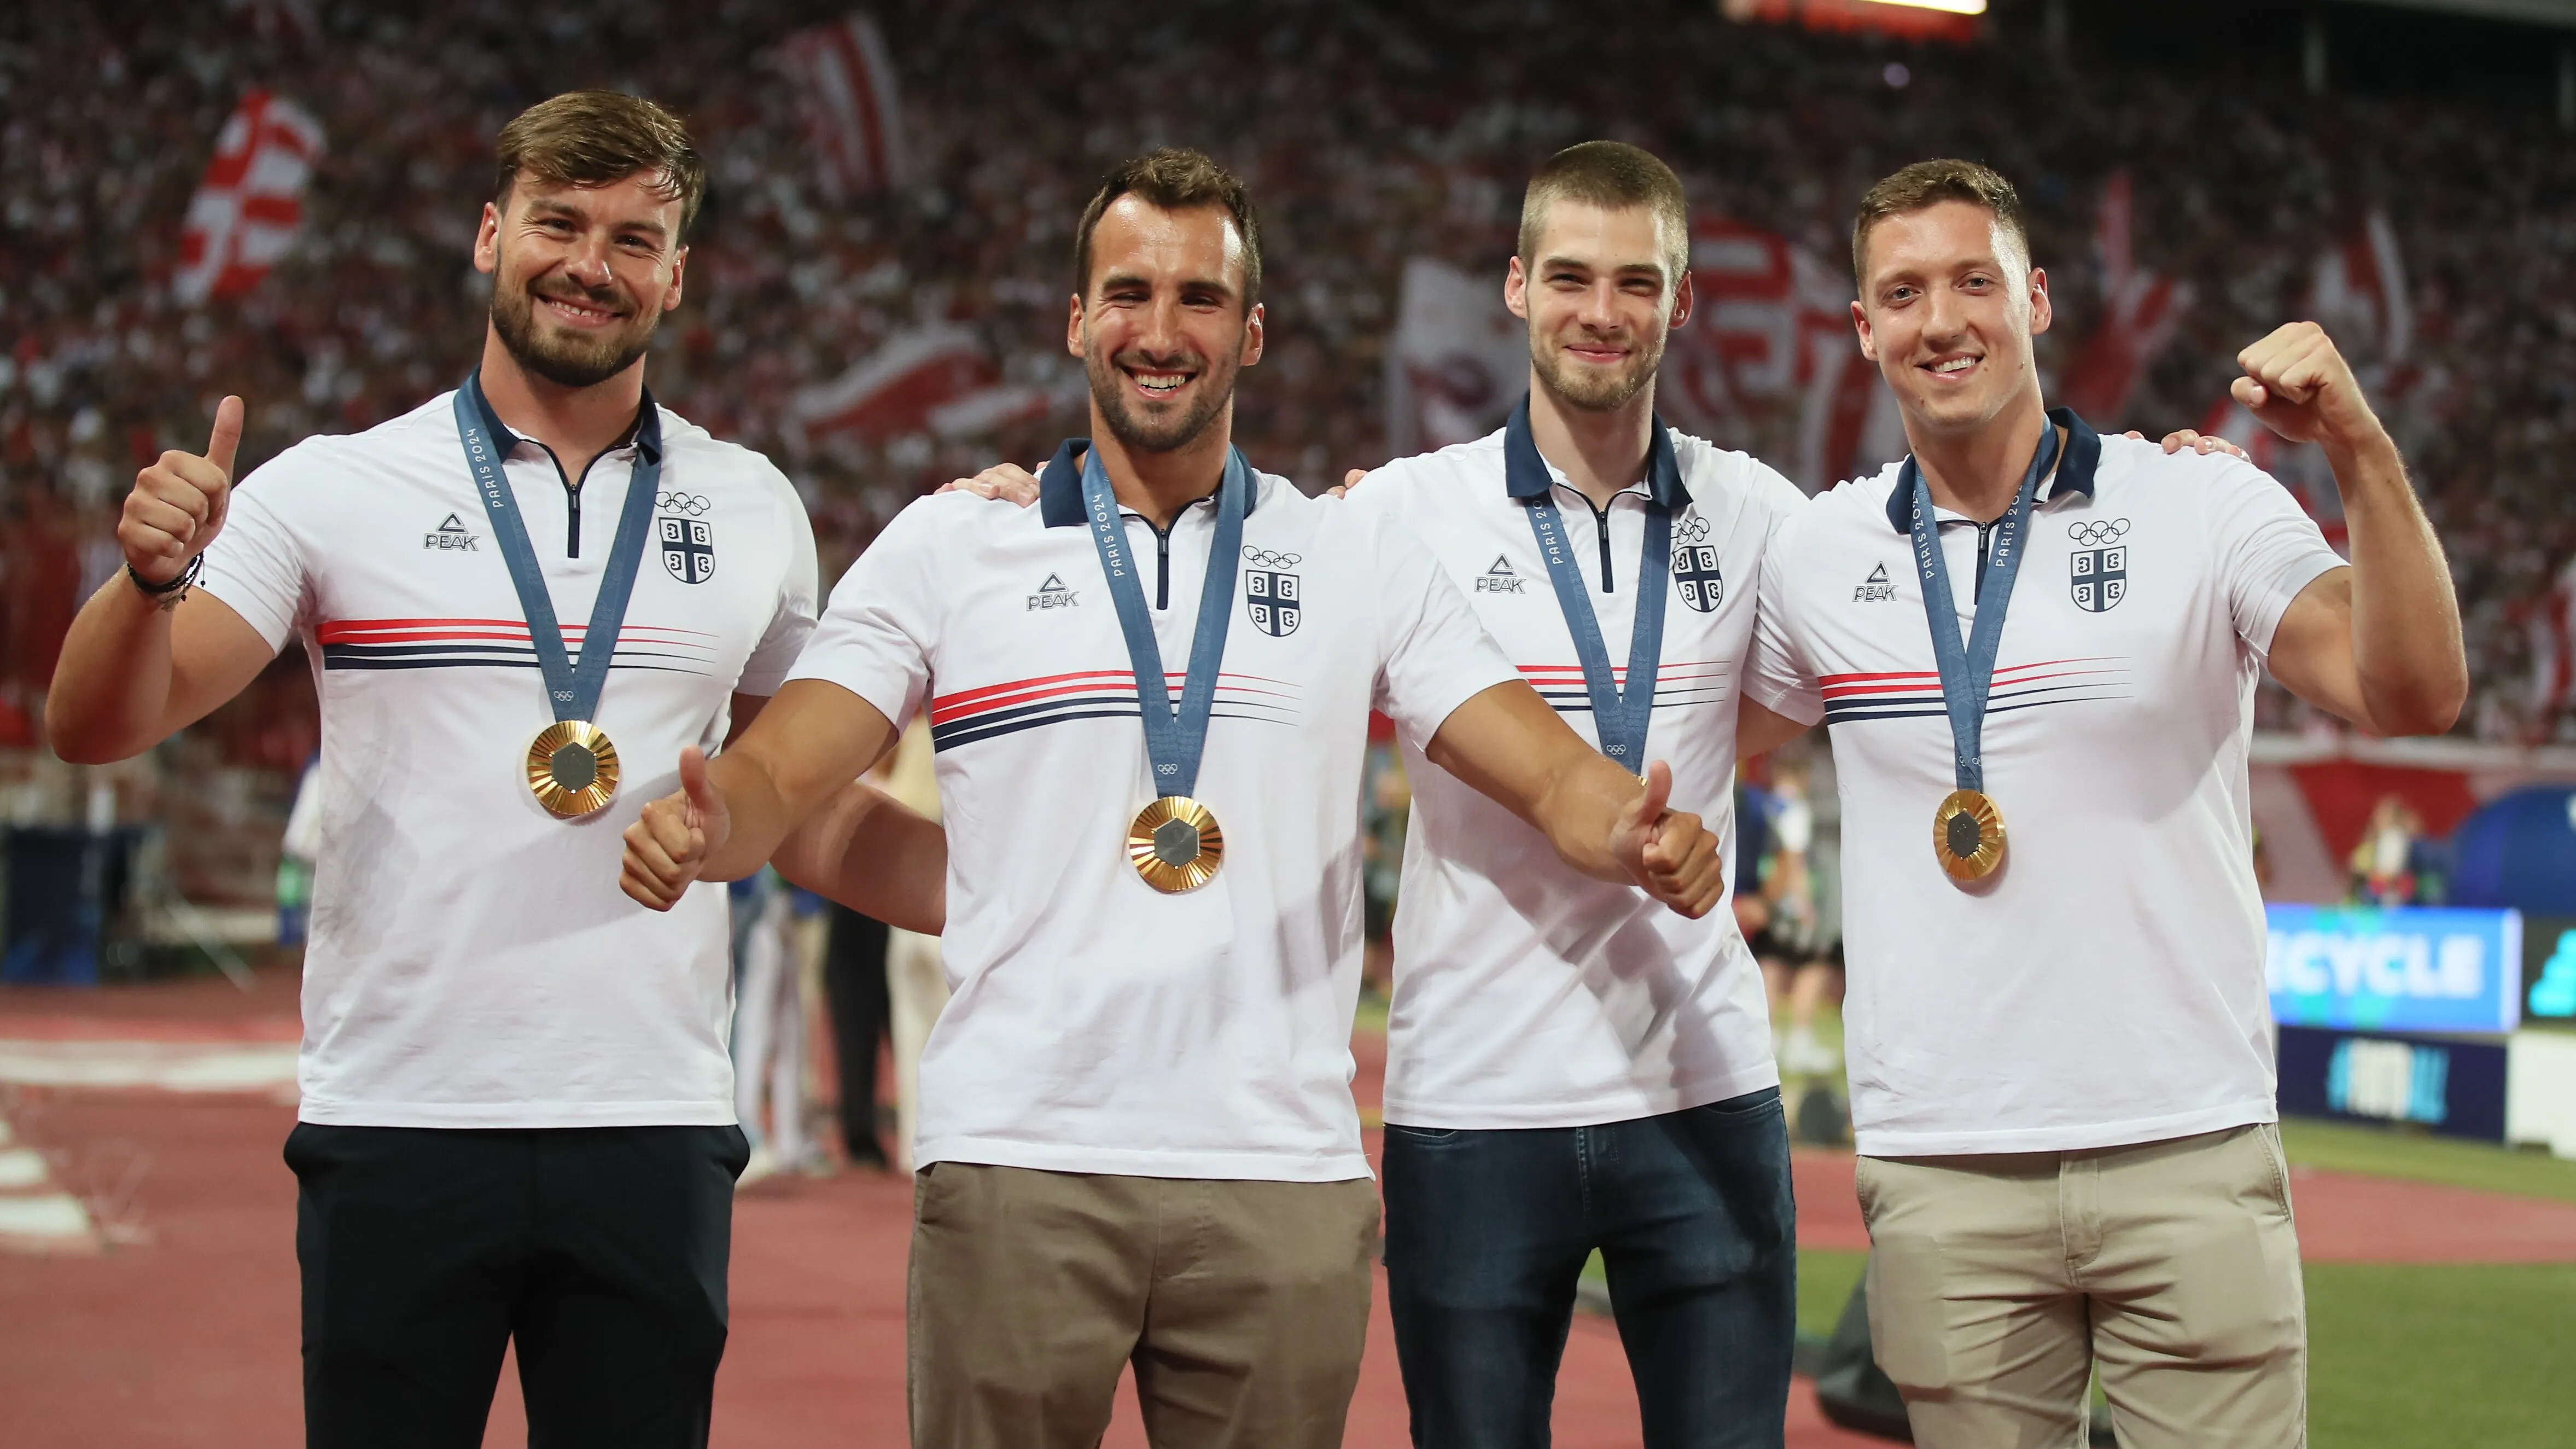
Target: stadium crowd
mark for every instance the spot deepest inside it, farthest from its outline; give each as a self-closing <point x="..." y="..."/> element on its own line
<point x="1370" y="134"/>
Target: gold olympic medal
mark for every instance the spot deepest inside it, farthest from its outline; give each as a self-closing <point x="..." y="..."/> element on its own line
<point x="1175" y="844"/>
<point x="572" y="768"/>
<point x="1968" y="835"/>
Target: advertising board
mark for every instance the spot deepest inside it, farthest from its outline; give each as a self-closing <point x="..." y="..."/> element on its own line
<point x="2396" y="968"/>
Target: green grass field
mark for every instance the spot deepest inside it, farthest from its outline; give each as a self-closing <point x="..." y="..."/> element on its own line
<point x="2401" y="1355"/>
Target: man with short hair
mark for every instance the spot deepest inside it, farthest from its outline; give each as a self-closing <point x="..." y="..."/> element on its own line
<point x="2043" y="644"/>
<point x="517" y="1117"/>
<point x="1569" y="1070"/>
<point x="1138" y="1142"/>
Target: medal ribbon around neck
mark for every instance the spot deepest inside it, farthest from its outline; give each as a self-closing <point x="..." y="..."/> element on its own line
<point x="1968" y="671"/>
<point x="1174" y="843"/>
<point x="1619" y="719"/>
<point x="572" y="767"/>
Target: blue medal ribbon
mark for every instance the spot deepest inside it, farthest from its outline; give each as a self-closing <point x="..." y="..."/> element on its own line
<point x="1620" y="719"/>
<point x="1968" y="672"/>
<point x="572" y="691"/>
<point x="1174" y="739"/>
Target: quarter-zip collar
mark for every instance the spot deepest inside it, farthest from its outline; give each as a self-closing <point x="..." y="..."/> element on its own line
<point x="1060" y="488"/>
<point x="646" y="440"/>
<point x="2075" y="470"/>
<point x="1526" y="475"/>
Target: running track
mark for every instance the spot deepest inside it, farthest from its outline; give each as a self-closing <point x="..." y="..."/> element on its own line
<point x="182" y="1330"/>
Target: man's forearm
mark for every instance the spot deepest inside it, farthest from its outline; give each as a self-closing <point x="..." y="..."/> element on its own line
<point x="2406" y="641"/>
<point x="1578" y="812"/>
<point x="111" y="687"/>
<point x="875" y="855"/>
<point x="759" y="815"/>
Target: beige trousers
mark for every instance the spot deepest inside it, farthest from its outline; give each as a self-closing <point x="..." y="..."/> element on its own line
<point x="1243" y="1306"/>
<point x="1997" y="1283"/>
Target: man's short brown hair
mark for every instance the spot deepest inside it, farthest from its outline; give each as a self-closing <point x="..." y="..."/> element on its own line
<point x="1174" y="178"/>
<point x="1929" y="183"/>
<point x="1613" y="175"/>
<point x="599" y="138"/>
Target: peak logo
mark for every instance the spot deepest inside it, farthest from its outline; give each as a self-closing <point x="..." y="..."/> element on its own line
<point x="450" y="537"/>
<point x="1053" y="595"/>
<point x="1500" y="579"/>
<point x="1876" y="589"/>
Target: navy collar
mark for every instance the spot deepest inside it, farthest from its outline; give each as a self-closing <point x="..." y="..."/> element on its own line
<point x="1525" y="474"/>
<point x="1060" y="488"/>
<point x="2074" y="471"/>
<point x="645" y="433"/>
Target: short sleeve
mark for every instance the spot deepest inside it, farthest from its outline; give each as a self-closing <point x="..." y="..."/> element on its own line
<point x="1774" y="676"/>
<point x="256" y="564"/>
<point x="1433" y="654"/>
<point x="791" y="621"/>
<point x="876" y="635"/>
<point x="2268" y="549"/>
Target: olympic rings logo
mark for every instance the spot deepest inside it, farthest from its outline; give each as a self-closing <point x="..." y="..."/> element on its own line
<point x="1264" y="558"/>
<point x="688" y="503"/>
<point x="1691" y="530"/>
<point x="2097" y="532"/>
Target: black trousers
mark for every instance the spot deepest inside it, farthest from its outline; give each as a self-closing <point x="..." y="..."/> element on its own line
<point x="854" y="984"/>
<point x="601" y="1251"/>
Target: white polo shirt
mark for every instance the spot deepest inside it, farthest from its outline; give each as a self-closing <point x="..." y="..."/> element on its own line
<point x="2105" y="986"/>
<point x="472" y="962"/>
<point x="1095" y="1024"/>
<point x="1527" y="994"/>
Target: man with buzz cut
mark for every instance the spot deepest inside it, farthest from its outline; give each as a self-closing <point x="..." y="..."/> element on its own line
<point x="1137" y="1137"/>
<point x="2036" y="648"/>
<point x="1569" y="1070"/>
<point x="517" y="1119"/>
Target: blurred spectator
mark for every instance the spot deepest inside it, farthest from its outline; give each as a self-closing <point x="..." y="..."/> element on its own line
<point x="1370" y="134"/>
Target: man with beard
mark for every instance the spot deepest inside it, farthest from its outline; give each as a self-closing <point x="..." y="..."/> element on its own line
<point x="1138" y="1142"/>
<point x="517" y="1113"/>
<point x="1568" y="1071"/>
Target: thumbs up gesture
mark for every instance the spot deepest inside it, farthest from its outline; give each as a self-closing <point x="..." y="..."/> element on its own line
<point x="1668" y="852"/>
<point x="669" y="845"/>
<point x="177" y="506"/>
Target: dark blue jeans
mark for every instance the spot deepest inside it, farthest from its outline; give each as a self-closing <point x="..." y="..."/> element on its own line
<point x="1487" y="1233"/>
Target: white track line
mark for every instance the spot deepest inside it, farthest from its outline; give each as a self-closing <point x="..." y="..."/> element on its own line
<point x="167" y="1066"/>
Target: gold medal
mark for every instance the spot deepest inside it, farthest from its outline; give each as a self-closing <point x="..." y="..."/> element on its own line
<point x="1175" y="844"/>
<point x="1968" y="835"/>
<point x="572" y="768"/>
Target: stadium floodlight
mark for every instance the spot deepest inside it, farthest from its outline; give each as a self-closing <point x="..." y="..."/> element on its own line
<point x="1953" y="7"/>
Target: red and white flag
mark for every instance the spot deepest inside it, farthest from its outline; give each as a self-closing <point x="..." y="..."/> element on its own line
<point x="2553" y="651"/>
<point x="1773" y="330"/>
<point x="2360" y="296"/>
<point x="845" y="86"/>
<point x="1458" y="360"/>
<point x="904" y="386"/>
<point x="2139" y="310"/>
<point x="247" y="211"/>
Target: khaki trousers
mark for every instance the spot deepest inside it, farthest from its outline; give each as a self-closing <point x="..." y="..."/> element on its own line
<point x="1243" y="1306"/>
<point x="1997" y="1283"/>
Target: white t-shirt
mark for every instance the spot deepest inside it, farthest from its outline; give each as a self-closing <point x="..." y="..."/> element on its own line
<point x="1527" y="994"/>
<point x="1095" y="1024"/>
<point x="472" y="962"/>
<point x="2106" y="985"/>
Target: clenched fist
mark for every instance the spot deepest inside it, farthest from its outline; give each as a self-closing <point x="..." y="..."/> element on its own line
<point x="177" y="506"/>
<point x="1668" y="852"/>
<point x="668" y="846"/>
<point x="2299" y="385"/>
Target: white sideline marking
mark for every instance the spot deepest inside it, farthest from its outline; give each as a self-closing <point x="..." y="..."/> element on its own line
<point x="21" y="1167"/>
<point x="169" y="1066"/>
<point x="55" y="1215"/>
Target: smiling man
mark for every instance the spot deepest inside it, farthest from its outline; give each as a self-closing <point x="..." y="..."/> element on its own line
<point x="1137" y="1138"/>
<point x="1568" y="1070"/>
<point x="517" y="1111"/>
<point x="2036" y="648"/>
